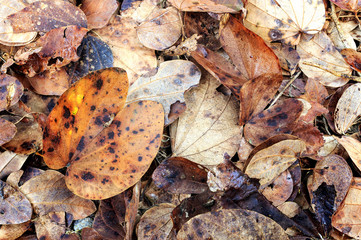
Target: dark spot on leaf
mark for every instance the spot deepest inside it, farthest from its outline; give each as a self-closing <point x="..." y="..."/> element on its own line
<point x="81" y="144"/>
<point x="283" y="116"/>
<point x="50" y="105"/>
<point x="111" y="150"/>
<point x="117" y="123"/>
<point x="106" y="118"/>
<point x="92" y="108"/>
<point x="50" y="149"/>
<point x="140" y="103"/>
<point x="71" y="154"/>
<point x="140" y="158"/>
<point x="275" y="34"/>
<point x="98" y="121"/>
<point x="105" y="110"/>
<point x="111" y="135"/>
<point x="27" y="145"/>
<point x="76" y="176"/>
<point x="99" y="84"/>
<point x="66" y="113"/>
<point x="271" y="122"/>
<point x="87" y="176"/>
<point x="127" y="128"/>
<point x="135" y="132"/>
<point x="66" y="125"/>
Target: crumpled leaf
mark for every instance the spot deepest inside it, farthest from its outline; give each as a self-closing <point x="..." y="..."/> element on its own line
<point x="47" y="193"/>
<point x="98" y="13"/>
<point x="10" y="91"/>
<point x="208" y="130"/>
<point x="320" y="51"/>
<point x="345" y="219"/>
<point x="284" y="20"/>
<point x="231" y="224"/>
<point x="7" y="35"/>
<point x="215" y="6"/>
<point x="269" y="163"/>
<point x="15" y="208"/>
<point x="161" y="29"/>
<point x="43" y="16"/>
<point x="121" y="36"/>
<point x="348" y="108"/>
<point x="167" y="86"/>
<point x="156" y="222"/>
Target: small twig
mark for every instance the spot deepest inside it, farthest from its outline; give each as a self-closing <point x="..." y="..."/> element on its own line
<point x="338" y="27"/>
<point x="293" y="78"/>
<point x="333" y="72"/>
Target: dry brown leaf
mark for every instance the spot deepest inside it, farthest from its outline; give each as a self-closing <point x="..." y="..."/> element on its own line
<point x="156" y="223"/>
<point x="10" y="91"/>
<point x="8" y="131"/>
<point x="347" y="219"/>
<point x="50" y="226"/>
<point x="353" y="148"/>
<point x="321" y="51"/>
<point x="231" y="224"/>
<point x="121" y="36"/>
<point x="280" y="189"/>
<point x="15" y="208"/>
<point x="161" y="29"/>
<point x="270" y="162"/>
<point x="348" y="108"/>
<point x="348" y="5"/>
<point x="167" y="86"/>
<point x="7" y="36"/>
<point x="353" y="58"/>
<point x="10" y="162"/>
<point x="98" y="13"/>
<point x="216" y="6"/>
<point x="208" y="130"/>
<point x="48" y="193"/>
<point x="284" y="20"/>
<point x="347" y="40"/>
<point x="290" y="209"/>
<point x="10" y="232"/>
<point x="287" y="56"/>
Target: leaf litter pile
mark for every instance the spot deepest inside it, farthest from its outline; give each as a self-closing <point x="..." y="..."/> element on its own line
<point x="180" y="119"/>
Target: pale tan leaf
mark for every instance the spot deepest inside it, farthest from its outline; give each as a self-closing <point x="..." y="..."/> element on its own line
<point x="348" y="108"/>
<point x="161" y="29"/>
<point x="346" y="27"/>
<point x="167" y="86"/>
<point x="156" y="223"/>
<point x="284" y="19"/>
<point x="98" y="13"/>
<point x="7" y="35"/>
<point x="121" y="36"/>
<point x="270" y="162"/>
<point x="207" y="131"/>
<point x="347" y="219"/>
<point x="216" y="6"/>
<point x="48" y="193"/>
<point x="231" y="224"/>
<point x="290" y="209"/>
<point x="353" y="148"/>
<point x="10" y="232"/>
<point x="10" y="162"/>
<point x="320" y="51"/>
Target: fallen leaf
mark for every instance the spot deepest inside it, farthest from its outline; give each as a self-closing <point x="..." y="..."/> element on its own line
<point x="8" y="131"/>
<point x="231" y="224"/>
<point x="121" y="36"/>
<point x="161" y="29"/>
<point x="215" y="6"/>
<point x="208" y="129"/>
<point x="321" y="51"/>
<point x="179" y="175"/>
<point x="43" y="16"/>
<point x="284" y="20"/>
<point x="167" y="86"/>
<point x="314" y="91"/>
<point x="347" y="40"/>
<point x="352" y="57"/>
<point x="244" y="150"/>
<point x="280" y="118"/>
<point x="157" y="195"/>
<point x="353" y="148"/>
<point x="37" y="103"/>
<point x="7" y="35"/>
<point x="14" y="231"/>
<point x="346" y="219"/>
<point x="156" y="222"/>
<point x="10" y="162"/>
<point x="287" y="56"/>
<point x="98" y="13"/>
<point x="50" y="226"/>
<point x="311" y="136"/>
<point x="15" y="208"/>
<point x="90" y="234"/>
<point x="48" y="193"/>
<point x="328" y="187"/>
<point x="267" y="164"/>
<point x="10" y="91"/>
<point x="290" y="209"/>
<point x="348" y="5"/>
<point x="94" y="55"/>
<point x="348" y="108"/>
<point x="98" y="137"/>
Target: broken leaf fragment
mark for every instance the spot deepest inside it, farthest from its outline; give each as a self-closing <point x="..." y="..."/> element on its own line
<point x="216" y="6"/>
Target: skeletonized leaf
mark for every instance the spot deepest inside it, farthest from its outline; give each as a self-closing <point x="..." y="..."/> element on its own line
<point x="348" y="108"/>
<point x="121" y="36"/>
<point x="167" y="86"/>
<point x="284" y="19"/>
<point x="353" y="148"/>
<point x="161" y="29"/>
<point x="231" y="224"/>
<point x="269" y="163"/>
<point x="320" y="51"/>
<point x="15" y="208"/>
<point x="207" y="130"/>
<point x="216" y="6"/>
<point x="156" y="223"/>
<point x="48" y="193"/>
<point x="42" y="16"/>
<point x="7" y="35"/>
<point x="346" y="219"/>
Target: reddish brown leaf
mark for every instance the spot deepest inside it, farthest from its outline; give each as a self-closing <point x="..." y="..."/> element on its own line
<point x="8" y="131"/>
<point x="348" y="5"/>
<point x="10" y="91"/>
<point x="216" y="6"/>
<point x="50" y="226"/>
<point x="310" y="135"/>
<point x="98" y="13"/>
